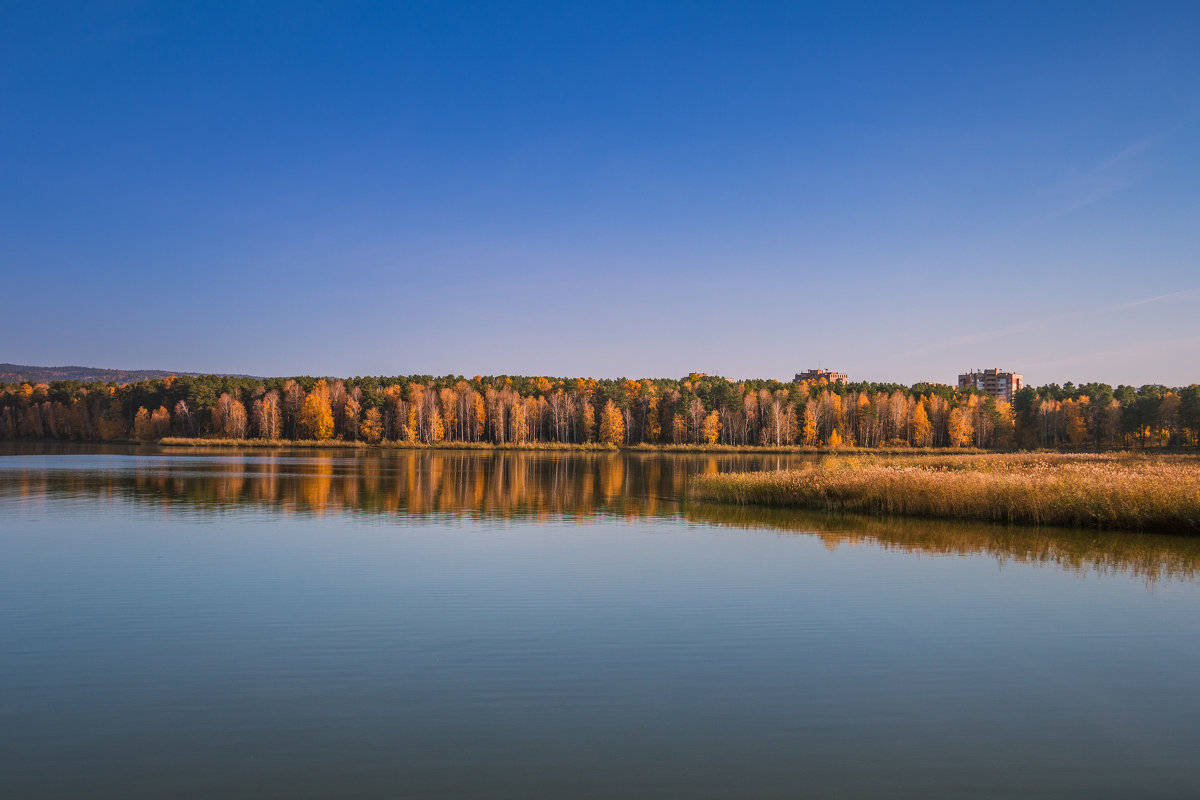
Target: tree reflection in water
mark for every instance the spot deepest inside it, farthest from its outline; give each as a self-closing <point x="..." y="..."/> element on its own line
<point x="540" y="485"/>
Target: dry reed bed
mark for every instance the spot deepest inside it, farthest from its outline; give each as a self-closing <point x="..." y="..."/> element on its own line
<point x="1117" y="491"/>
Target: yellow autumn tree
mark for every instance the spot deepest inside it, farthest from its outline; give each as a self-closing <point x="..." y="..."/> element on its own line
<point x="835" y="438"/>
<point x="920" y="426"/>
<point x="265" y="415"/>
<point x="235" y="427"/>
<point x="1004" y="425"/>
<point x="478" y="417"/>
<point x="316" y="417"/>
<point x="960" y="429"/>
<point x="612" y="425"/>
<point x="437" y="429"/>
<point x="518" y="425"/>
<point x="863" y="420"/>
<point x="372" y="425"/>
<point x="1075" y="411"/>
<point x="587" y="419"/>
<point x="711" y="429"/>
<point x="351" y="419"/>
<point x="808" y="430"/>
<point x="652" y="431"/>
<point x="142" y="427"/>
<point x="160" y="421"/>
<point x="678" y="429"/>
<point x="229" y="417"/>
<point x="408" y="433"/>
<point x="448" y="398"/>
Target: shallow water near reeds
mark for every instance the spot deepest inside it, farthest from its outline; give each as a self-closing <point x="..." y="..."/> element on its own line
<point x="564" y="625"/>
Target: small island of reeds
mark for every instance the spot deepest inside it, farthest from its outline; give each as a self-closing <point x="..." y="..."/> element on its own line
<point x="1117" y="491"/>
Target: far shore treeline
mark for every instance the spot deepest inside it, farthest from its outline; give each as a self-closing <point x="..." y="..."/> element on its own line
<point x="512" y="410"/>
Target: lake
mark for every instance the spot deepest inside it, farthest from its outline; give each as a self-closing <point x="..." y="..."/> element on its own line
<point x="294" y="624"/>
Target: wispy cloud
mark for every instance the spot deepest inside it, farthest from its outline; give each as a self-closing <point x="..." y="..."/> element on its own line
<point x="974" y="337"/>
<point x="1137" y="348"/>
<point x="1133" y="150"/>
<point x="1156" y="299"/>
<point x="1041" y="323"/>
<point x="1110" y="176"/>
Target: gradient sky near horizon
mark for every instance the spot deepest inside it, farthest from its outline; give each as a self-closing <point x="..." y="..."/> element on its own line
<point x="899" y="191"/>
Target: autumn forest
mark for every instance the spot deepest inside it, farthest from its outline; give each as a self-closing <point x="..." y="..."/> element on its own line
<point x="698" y="410"/>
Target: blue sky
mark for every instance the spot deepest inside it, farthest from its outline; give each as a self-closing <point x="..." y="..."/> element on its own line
<point x="898" y="191"/>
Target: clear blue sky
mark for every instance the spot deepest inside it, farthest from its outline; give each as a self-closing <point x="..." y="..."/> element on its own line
<point x="899" y="191"/>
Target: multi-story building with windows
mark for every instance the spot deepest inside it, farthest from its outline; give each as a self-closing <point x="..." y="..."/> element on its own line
<point x="996" y="382"/>
<point x="822" y="374"/>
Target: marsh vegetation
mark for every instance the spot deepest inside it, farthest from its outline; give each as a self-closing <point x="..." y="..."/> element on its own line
<point x="1106" y="491"/>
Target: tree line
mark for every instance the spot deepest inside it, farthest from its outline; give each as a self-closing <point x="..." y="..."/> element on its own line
<point x="698" y="410"/>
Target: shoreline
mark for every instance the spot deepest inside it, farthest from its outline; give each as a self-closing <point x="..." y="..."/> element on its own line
<point x="334" y="444"/>
<point x="183" y="442"/>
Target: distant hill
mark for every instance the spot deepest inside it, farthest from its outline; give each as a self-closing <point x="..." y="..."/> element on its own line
<point x="18" y="373"/>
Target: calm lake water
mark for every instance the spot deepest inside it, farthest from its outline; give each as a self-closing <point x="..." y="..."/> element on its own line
<point x="537" y="625"/>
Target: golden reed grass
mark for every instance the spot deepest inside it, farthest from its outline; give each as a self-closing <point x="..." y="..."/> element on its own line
<point x="1118" y="491"/>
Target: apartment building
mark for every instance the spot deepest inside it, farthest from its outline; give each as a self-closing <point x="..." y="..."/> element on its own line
<point x="814" y="375"/>
<point x="996" y="382"/>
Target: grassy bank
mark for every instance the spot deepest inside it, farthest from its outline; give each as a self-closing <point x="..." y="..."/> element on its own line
<point x="1119" y="491"/>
